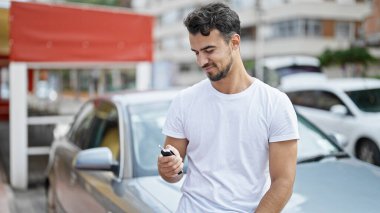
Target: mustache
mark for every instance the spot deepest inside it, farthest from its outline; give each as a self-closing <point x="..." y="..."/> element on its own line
<point x="208" y="65"/>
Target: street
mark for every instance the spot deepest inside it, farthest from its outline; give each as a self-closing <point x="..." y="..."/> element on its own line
<point x="32" y="200"/>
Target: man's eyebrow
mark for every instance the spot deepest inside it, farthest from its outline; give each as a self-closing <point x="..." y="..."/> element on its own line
<point x="204" y="48"/>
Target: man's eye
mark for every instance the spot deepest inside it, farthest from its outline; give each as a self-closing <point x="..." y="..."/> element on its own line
<point x="209" y="51"/>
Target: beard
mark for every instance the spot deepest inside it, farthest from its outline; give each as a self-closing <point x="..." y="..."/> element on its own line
<point x="222" y="73"/>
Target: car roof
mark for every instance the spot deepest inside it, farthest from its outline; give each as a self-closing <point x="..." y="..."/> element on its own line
<point x="349" y="84"/>
<point x="320" y="81"/>
<point x="139" y="97"/>
<point x="276" y="62"/>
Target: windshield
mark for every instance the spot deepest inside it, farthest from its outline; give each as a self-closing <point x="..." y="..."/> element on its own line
<point x="147" y="121"/>
<point x="312" y="141"/>
<point x="367" y="100"/>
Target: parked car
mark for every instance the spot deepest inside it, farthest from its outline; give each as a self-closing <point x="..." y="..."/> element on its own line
<point x="349" y="106"/>
<point x="278" y="67"/>
<point x="107" y="163"/>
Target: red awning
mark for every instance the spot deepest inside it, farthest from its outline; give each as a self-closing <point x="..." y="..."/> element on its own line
<point x="57" y="33"/>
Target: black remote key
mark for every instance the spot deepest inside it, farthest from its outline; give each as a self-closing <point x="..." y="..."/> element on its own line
<point x="167" y="152"/>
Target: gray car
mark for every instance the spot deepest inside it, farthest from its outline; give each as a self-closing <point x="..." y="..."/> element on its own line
<point x="107" y="163"/>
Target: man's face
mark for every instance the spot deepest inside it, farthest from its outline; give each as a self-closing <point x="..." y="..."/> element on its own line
<point x="213" y="54"/>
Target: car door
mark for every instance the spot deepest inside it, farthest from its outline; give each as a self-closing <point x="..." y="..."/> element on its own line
<point x="316" y="105"/>
<point x="69" y="193"/>
<point x="95" y="190"/>
<point x="106" y="133"/>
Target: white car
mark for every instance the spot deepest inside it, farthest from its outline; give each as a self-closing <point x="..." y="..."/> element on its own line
<point x="107" y="162"/>
<point x="349" y="106"/>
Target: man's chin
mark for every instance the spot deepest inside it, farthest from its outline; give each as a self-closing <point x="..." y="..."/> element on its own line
<point x="215" y="77"/>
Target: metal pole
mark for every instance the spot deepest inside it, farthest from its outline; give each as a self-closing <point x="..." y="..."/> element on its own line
<point x="18" y="125"/>
<point x="259" y="42"/>
<point x="144" y="76"/>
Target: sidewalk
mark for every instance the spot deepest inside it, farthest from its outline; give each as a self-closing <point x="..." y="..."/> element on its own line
<point x="12" y="200"/>
<point x="32" y="200"/>
<point x="6" y="195"/>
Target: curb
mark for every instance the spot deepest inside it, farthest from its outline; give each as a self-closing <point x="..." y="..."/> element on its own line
<point x="6" y="193"/>
<point x="6" y="199"/>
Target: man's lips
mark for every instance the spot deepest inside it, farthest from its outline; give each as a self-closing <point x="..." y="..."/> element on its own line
<point x="208" y="68"/>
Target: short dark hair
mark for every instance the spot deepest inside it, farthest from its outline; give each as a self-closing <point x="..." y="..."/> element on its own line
<point x="213" y="16"/>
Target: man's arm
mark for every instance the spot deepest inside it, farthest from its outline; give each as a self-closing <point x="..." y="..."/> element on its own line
<point x="282" y="168"/>
<point x="170" y="166"/>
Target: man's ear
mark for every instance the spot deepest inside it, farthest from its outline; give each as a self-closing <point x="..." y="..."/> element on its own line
<point x="235" y="41"/>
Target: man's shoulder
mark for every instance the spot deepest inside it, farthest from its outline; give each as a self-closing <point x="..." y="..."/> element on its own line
<point x="268" y="90"/>
<point x="196" y="89"/>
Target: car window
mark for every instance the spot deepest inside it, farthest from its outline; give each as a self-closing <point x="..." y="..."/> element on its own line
<point x="325" y="100"/>
<point x="97" y="125"/>
<point x="303" y="98"/>
<point x="147" y="121"/>
<point x="105" y="129"/>
<point x="312" y="141"/>
<point x="318" y="99"/>
<point x="367" y="100"/>
<point x="80" y="131"/>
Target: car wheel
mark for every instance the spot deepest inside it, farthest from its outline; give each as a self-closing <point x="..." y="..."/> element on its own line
<point x="369" y="152"/>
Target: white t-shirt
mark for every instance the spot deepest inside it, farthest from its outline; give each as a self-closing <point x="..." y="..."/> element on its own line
<point x="228" y="138"/>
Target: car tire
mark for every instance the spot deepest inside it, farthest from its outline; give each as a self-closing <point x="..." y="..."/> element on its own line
<point x="369" y="152"/>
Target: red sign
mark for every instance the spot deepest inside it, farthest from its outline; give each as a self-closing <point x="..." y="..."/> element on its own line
<point x="57" y="33"/>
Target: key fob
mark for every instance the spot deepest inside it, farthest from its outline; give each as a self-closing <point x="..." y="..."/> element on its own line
<point x="168" y="152"/>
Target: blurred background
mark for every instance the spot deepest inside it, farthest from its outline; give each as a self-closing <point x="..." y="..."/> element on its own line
<point x="269" y="29"/>
<point x="339" y="38"/>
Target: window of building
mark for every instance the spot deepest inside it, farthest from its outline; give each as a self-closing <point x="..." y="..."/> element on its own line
<point x="313" y="28"/>
<point x="289" y="28"/>
<point x="242" y="4"/>
<point x="342" y="29"/>
<point x="247" y="34"/>
<point x="296" y="28"/>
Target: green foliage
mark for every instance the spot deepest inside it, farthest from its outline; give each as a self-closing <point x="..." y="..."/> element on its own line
<point x="327" y="58"/>
<point x="352" y="55"/>
<point x="249" y="64"/>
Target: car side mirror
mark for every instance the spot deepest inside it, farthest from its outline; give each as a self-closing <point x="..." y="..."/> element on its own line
<point x="339" y="109"/>
<point x="339" y="139"/>
<point x="95" y="159"/>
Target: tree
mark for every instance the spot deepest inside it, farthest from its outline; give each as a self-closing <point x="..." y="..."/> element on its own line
<point x="359" y="57"/>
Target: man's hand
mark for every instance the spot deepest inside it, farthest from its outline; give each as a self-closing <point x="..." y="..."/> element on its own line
<point x="170" y="166"/>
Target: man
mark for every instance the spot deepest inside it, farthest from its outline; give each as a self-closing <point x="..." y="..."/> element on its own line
<point x="239" y="134"/>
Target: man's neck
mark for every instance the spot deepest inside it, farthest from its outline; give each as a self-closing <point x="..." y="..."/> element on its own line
<point x="236" y="81"/>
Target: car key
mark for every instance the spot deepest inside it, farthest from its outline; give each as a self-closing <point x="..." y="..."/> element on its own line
<point x="167" y="152"/>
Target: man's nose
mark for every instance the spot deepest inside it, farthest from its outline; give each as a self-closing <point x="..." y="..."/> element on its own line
<point x="202" y="60"/>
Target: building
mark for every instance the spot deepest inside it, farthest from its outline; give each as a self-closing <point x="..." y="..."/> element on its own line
<point x="269" y="28"/>
<point x="372" y="29"/>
